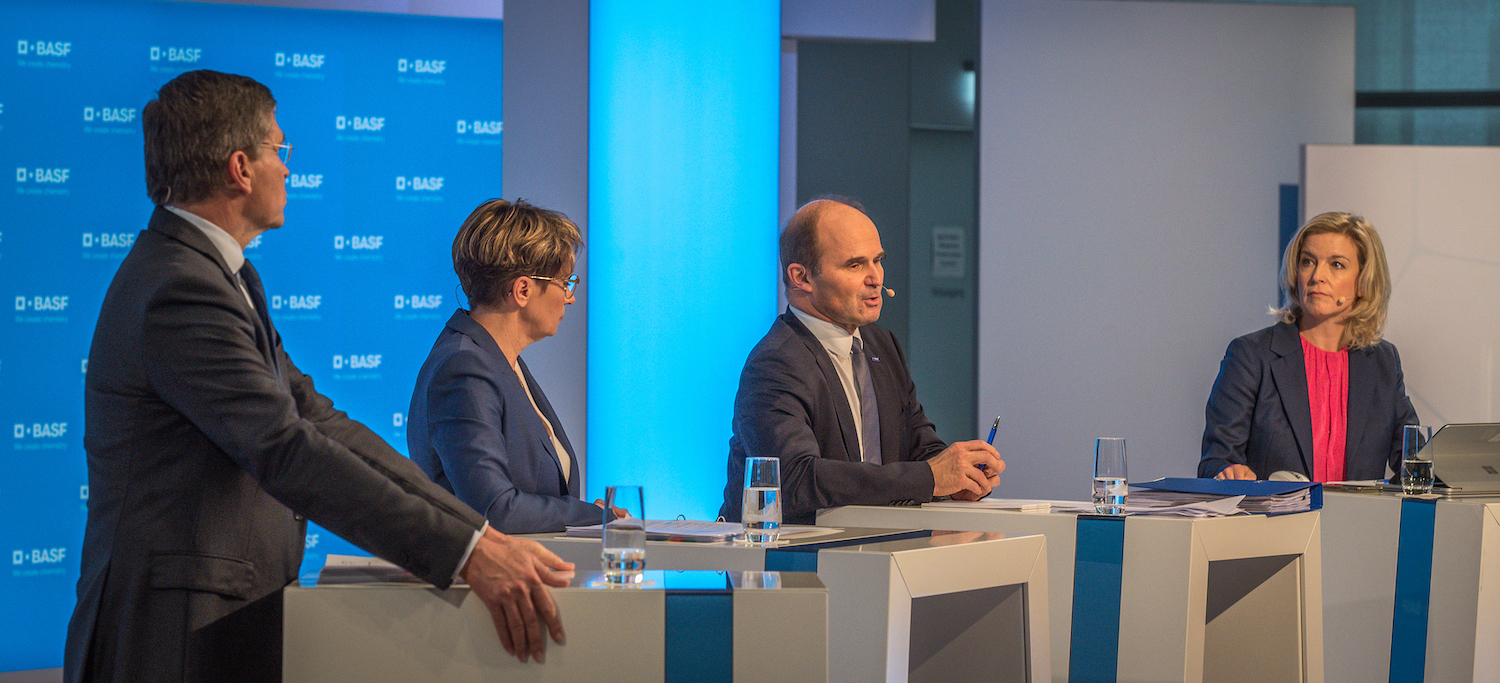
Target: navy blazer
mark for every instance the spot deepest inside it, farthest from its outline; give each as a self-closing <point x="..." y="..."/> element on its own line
<point x="791" y="405"/>
<point x="471" y="429"/>
<point x="1259" y="415"/>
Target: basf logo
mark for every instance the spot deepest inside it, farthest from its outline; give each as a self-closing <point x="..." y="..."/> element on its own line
<point x="359" y="123"/>
<point x="44" y="48"/>
<point x="297" y="302"/>
<point x="305" y="181"/>
<point x="178" y="55"/>
<point x="41" y="430"/>
<point x="419" y="183"/>
<point x="298" y="60"/>
<point x="421" y="66"/>
<point x="357" y="242"/>
<point x="419" y="301"/>
<point x="42" y="303"/>
<point x="368" y="361"/>
<point x="109" y="114"/>
<point x="108" y="240"/>
<point x="45" y="176"/>
<point x="479" y="127"/>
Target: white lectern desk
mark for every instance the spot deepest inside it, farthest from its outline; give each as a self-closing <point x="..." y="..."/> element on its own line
<point x="925" y="607"/>
<point x="1449" y="621"/>
<point x="680" y="626"/>
<point x="1224" y="599"/>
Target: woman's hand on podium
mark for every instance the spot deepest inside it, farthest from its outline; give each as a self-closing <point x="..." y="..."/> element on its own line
<point x="510" y="575"/>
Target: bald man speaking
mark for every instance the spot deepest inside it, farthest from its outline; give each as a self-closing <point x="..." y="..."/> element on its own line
<point x="827" y="390"/>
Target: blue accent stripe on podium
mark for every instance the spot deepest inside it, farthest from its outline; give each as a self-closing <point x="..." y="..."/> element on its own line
<point x="699" y="637"/>
<point x="1413" y="591"/>
<point x="1098" y="561"/>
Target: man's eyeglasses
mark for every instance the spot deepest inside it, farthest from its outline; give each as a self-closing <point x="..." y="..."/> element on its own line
<point x="283" y="150"/>
<point x="569" y="284"/>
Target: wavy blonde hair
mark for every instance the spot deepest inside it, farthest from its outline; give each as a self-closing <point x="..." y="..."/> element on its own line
<point x="1366" y="319"/>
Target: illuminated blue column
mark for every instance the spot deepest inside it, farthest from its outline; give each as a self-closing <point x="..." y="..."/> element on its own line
<point x="683" y="139"/>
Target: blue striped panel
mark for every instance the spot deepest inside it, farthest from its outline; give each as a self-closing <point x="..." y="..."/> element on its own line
<point x="1098" y="559"/>
<point x="699" y="637"/>
<point x="1413" y="591"/>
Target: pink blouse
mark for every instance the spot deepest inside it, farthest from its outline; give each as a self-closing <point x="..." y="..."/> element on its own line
<point x="1328" y="396"/>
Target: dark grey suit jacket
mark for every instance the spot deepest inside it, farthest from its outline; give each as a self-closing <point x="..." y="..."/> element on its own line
<point x="791" y="405"/>
<point x="1259" y="414"/>
<point x="472" y="429"/>
<point x="206" y="449"/>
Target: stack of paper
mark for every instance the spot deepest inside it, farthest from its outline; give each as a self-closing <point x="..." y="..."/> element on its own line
<point x="1167" y="505"/>
<point x="339" y="569"/>
<point x="1258" y="497"/>
<point x="672" y="530"/>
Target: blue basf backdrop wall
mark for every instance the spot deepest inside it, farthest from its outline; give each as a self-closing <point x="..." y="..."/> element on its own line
<point x="396" y="126"/>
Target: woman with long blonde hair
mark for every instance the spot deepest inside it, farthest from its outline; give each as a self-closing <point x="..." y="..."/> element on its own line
<point x="1319" y="393"/>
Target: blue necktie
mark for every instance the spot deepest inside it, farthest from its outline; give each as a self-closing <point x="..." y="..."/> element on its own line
<point x="869" y="410"/>
<point x="251" y="281"/>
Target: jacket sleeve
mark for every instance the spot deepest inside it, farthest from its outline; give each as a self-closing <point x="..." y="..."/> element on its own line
<point x="1231" y="407"/>
<point x="1404" y="414"/>
<point x="774" y="415"/>
<point x="465" y="425"/>
<point x="202" y="359"/>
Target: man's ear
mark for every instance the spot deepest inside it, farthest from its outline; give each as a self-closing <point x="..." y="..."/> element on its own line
<point x="238" y="174"/>
<point x="800" y="277"/>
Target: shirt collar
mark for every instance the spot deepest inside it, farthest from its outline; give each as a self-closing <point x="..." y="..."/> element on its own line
<point x="234" y="255"/>
<point x="834" y="338"/>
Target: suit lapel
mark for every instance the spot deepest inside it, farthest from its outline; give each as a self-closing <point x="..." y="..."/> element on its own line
<point x="1357" y="411"/>
<point x="546" y="408"/>
<point x="1289" y="370"/>
<point x="461" y="322"/>
<point x="831" y="380"/>
<point x="177" y="228"/>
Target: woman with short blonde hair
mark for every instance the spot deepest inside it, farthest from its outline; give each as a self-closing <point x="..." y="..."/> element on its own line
<point x="479" y="423"/>
<point x="1319" y="394"/>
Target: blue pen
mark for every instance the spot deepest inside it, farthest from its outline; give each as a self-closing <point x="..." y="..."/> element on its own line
<point x="991" y="439"/>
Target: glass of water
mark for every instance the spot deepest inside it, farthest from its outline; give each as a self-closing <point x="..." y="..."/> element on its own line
<point x="1416" y="463"/>
<point x="761" y="510"/>
<point x="1109" y="476"/>
<point x="624" y="552"/>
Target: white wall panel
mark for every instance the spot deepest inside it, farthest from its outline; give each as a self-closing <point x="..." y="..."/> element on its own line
<point x="1130" y="157"/>
<point x="1438" y="213"/>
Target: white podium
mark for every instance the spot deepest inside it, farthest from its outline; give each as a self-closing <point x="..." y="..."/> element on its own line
<point x="1454" y="560"/>
<point x="924" y="607"/>
<point x="680" y="626"/>
<point x="1225" y="599"/>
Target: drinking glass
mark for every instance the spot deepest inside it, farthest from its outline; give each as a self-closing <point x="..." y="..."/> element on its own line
<point x="1109" y="475"/>
<point x="761" y="510"/>
<point x="1416" y="463"/>
<point x="624" y="551"/>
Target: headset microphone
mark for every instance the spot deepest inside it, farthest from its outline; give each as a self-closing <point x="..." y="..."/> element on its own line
<point x="890" y="292"/>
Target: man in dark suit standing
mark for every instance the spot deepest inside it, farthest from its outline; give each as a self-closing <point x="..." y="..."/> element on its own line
<point x="827" y="390"/>
<point x="208" y="449"/>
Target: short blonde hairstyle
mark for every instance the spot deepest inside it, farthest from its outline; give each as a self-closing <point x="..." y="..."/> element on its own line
<point x="1366" y="319"/>
<point x="501" y="241"/>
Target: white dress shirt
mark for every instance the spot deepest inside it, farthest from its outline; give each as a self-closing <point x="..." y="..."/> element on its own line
<point x="839" y="345"/>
